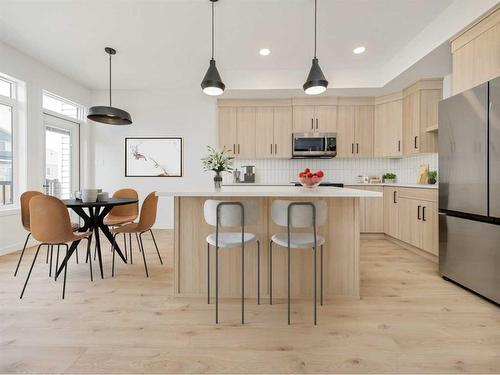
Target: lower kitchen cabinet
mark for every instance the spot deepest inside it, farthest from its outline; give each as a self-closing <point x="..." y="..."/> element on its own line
<point x="391" y="211"/>
<point x="371" y="211"/>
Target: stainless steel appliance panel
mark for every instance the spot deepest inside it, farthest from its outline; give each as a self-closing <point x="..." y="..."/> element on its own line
<point x="463" y="152"/>
<point x="469" y="253"/>
<point x="494" y="145"/>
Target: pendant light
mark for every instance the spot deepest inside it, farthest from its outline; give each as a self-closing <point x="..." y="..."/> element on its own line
<point x="109" y="115"/>
<point x="316" y="82"/>
<point x="212" y="82"/>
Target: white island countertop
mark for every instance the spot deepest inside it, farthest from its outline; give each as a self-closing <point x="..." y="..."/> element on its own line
<point x="273" y="191"/>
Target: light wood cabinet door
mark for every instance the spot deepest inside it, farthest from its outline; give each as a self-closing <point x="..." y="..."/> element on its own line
<point x="388" y="129"/>
<point x="407" y="220"/>
<point x="245" y="147"/>
<point x="228" y="129"/>
<point x="429" y="103"/>
<point x="326" y="119"/>
<point x="429" y="227"/>
<point x="345" y="131"/>
<point x="374" y="212"/>
<point x="282" y="132"/>
<point x="304" y="118"/>
<point x="391" y="212"/>
<point x="363" y="131"/>
<point x="411" y="123"/>
<point x="264" y="132"/>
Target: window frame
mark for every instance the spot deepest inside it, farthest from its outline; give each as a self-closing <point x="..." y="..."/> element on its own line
<point x="80" y="109"/>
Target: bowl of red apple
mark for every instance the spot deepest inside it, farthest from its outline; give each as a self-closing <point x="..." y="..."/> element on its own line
<point x="310" y="179"/>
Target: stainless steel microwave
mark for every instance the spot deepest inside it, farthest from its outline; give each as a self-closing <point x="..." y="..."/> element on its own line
<point x="314" y="145"/>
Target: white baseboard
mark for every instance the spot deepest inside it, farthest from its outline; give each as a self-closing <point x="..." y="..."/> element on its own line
<point x="17" y="246"/>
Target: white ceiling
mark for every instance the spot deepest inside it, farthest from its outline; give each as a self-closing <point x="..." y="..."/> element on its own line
<point x="166" y="43"/>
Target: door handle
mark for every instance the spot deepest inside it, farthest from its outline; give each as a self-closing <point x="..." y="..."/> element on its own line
<point x="394" y="197"/>
<point x="415" y="142"/>
<point x="418" y="212"/>
<point x="357" y="148"/>
<point x="316" y="124"/>
<point x="423" y="213"/>
<point x="275" y="148"/>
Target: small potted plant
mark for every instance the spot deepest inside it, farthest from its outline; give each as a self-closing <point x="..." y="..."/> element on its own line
<point x="217" y="161"/>
<point x="389" y="178"/>
<point x="432" y="176"/>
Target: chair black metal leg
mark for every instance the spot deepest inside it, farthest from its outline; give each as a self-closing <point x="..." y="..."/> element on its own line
<point x="258" y="272"/>
<point x="125" y="247"/>
<point x="143" y="254"/>
<point x="31" y="269"/>
<point x="47" y="258"/>
<point x="216" y="284"/>
<point x="321" y="275"/>
<point x="156" y="246"/>
<point x="137" y="238"/>
<point x="76" y="254"/>
<point x="208" y="273"/>
<point x="50" y="264"/>
<point x="65" y="271"/>
<point x="22" y="253"/>
<point x="89" y="256"/>
<point x="95" y="250"/>
<point x="289" y="268"/>
<point x="315" y="281"/>
<point x="113" y="251"/>
<point x="57" y="262"/>
<point x="130" y="243"/>
<point x="270" y="272"/>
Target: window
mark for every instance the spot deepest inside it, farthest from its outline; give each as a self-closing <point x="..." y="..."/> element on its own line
<point x="7" y="108"/>
<point x="62" y="106"/>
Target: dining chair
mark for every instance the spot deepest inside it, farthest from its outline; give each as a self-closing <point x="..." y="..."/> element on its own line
<point x="50" y="225"/>
<point x="226" y="215"/>
<point x="25" y="221"/>
<point x="124" y="214"/>
<point x="293" y="214"/>
<point x="147" y="218"/>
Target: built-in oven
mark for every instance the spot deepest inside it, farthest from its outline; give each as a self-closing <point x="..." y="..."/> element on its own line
<point x="314" y="145"/>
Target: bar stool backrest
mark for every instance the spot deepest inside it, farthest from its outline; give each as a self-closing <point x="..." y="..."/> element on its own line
<point x="230" y="213"/>
<point x="25" y="207"/>
<point x="148" y="212"/>
<point x="126" y="209"/>
<point x="301" y="216"/>
<point x="49" y="220"/>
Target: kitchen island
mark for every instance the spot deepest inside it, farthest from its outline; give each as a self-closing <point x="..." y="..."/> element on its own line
<point x="341" y="250"/>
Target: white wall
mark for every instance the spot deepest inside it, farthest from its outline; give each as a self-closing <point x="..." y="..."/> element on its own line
<point x="187" y="113"/>
<point x="37" y="77"/>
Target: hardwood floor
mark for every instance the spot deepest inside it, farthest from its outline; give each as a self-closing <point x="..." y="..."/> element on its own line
<point x="408" y="320"/>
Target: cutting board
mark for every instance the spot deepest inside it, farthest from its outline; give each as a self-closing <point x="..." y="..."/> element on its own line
<point x="423" y="174"/>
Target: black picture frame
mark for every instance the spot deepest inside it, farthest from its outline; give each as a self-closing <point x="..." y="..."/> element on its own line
<point x="181" y="159"/>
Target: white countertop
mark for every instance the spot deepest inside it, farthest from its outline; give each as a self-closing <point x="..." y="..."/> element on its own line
<point x="418" y="186"/>
<point x="273" y="191"/>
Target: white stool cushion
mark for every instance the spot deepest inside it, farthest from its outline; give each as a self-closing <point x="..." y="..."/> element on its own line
<point x="298" y="240"/>
<point x="230" y="239"/>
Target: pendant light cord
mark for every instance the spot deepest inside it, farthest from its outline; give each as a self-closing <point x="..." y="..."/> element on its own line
<point x="110" y="80"/>
<point x="315" y="24"/>
<point x="213" y="15"/>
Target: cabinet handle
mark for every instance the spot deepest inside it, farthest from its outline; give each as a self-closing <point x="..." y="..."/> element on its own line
<point x="271" y="148"/>
<point x="234" y="149"/>
<point x="415" y="141"/>
<point x="399" y="146"/>
<point x="312" y="124"/>
<point x="238" y="148"/>
<point x="394" y="197"/>
<point x="357" y="148"/>
<point x="418" y="212"/>
<point x="352" y="148"/>
<point x="275" y="148"/>
<point x="316" y="124"/>
<point x="423" y="213"/>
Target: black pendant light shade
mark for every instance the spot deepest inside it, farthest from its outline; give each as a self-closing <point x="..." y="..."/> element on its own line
<point x="316" y="82"/>
<point x="109" y="115"/>
<point x="212" y="82"/>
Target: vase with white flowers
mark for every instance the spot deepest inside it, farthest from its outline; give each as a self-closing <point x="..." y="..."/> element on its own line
<point x="217" y="161"/>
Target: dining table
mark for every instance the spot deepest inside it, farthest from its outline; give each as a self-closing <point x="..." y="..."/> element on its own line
<point x="93" y="221"/>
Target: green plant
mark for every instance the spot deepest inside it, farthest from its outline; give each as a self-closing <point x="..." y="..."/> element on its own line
<point x="217" y="161"/>
<point x="432" y="175"/>
<point x="389" y="176"/>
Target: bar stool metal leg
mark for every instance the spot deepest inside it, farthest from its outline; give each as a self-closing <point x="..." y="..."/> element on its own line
<point x="130" y="243"/>
<point x="125" y="246"/>
<point x="208" y="273"/>
<point x="289" y="269"/>
<point x="242" y="280"/>
<point x="315" y="281"/>
<point x="22" y="253"/>
<point x="258" y="272"/>
<point x="270" y="272"/>
<point x="321" y="275"/>
<point x="113" y="251"/>
<point x="217" y="284"/>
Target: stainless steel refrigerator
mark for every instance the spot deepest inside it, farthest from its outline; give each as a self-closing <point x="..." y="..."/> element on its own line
<point x="469" y="189"/>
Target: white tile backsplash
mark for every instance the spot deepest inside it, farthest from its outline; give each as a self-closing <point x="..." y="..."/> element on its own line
<point x="337" y="170"/>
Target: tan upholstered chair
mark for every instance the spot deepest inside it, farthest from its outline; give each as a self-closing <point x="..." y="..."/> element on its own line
<point x="125" y="214"/>
<point x="50" y="225"/>
<point x="25" y="221"/>
<point x="146" y="221"/>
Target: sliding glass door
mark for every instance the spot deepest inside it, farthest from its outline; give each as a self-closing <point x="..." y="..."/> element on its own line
<point x="62" y="159"/>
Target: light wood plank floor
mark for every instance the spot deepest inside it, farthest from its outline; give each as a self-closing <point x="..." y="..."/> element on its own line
<point x="409" y="320"/>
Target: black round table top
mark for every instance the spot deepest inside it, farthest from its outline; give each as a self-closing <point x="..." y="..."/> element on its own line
<point x="109" y="202"/>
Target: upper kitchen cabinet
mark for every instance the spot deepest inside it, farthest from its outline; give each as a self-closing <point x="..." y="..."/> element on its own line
<point x="388" y="128"/>
<point x="476" y="53"/>
<point x="246" y="132"/>
<point x="227" y="129"/>
<point x="315" y="115"/>
<point x="355" y="127"/>
<point x="420" y="116"/>
<point x="273" y="132"/>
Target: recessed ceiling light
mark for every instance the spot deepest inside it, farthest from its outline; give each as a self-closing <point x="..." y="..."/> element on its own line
<point x="265" y="52"/>
<point x="359" y="50"/>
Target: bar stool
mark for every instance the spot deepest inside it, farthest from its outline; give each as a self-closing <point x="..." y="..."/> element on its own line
<point x="298" y="215"/>
<point x="227" y="215"/>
